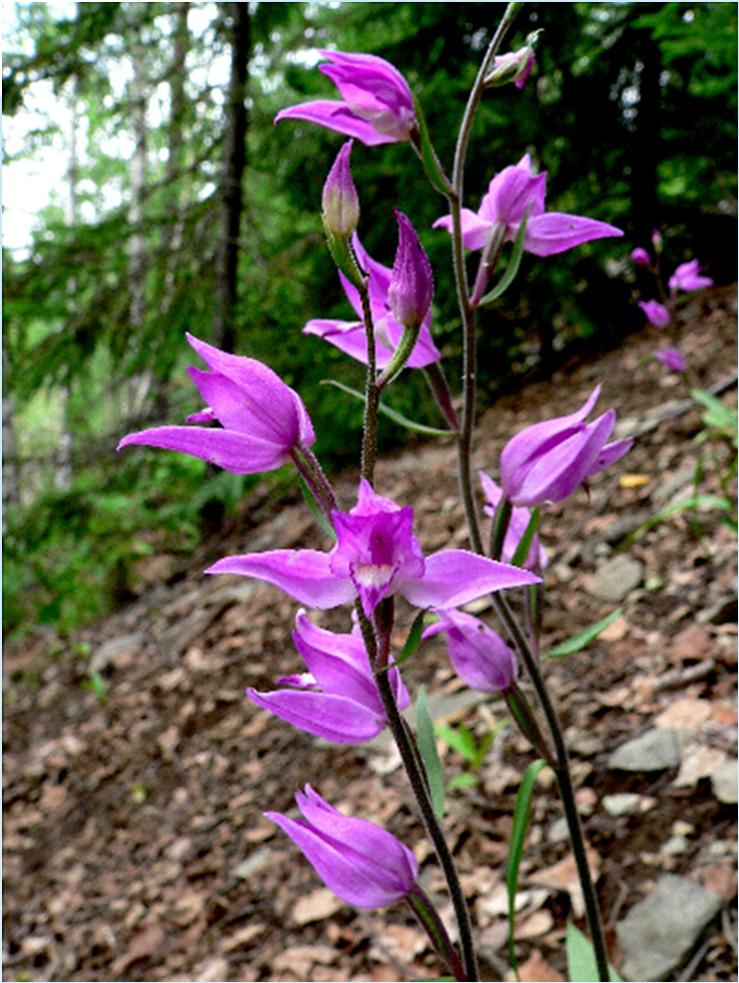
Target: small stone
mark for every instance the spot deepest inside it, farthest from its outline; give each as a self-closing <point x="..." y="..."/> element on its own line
<point x="616" y="578"/>
<point x="653" y="751"/>
<point x="558" y="831"/>
<point x="316" y="906"/>
<point x="719" y="848"/>
<point x="724" y="780"/>
<point x="253" y="863"/>
<point x="681" y="828"/>
<point x="622" y="803"/>
<point x="675" y="846"/>
<point x="659" y="933"/>
<point x="116" y="650"/>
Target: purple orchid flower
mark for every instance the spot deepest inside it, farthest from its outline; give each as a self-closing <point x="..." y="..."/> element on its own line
<point x="657" y="314"/>
<point x="350" y="336"/>
<point x="377" y="555"/>
<point x="687" y="277"/>
<point x="377" y="103"/>
<point x="513" y="66"/>
<point x="510" y="193"/>
<point x="672" y="358"/>
<point x="640" y="257"/>
<point x="358" y="860"/>
<point x="337" y="699"/>
<point x="518" y="523"/>
<point x="546" y="462"/>
<point x="478" y="654"/>
<point x="263" y="420"/>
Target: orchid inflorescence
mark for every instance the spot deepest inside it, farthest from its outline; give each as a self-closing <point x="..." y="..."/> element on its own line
<point x="253" y="422"/>
<point x="685" y="278"/>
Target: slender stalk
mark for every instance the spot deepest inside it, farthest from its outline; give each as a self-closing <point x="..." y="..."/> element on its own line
<point x="428" y="917"/>
<point x="469" y="352"/>
<point x="419" y="786"/>
<point x="312" y="473"/>
<point x="469" y="357"/>
<point x="564" y="781"/>
<point x="371" y="392"/>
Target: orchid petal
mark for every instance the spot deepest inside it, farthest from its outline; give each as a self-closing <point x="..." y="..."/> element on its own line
<point x="336" y="116"/>
<point x="236" y="452"/>
<point x="303" y="574"/>
<point x="556" y="232"/>
<point x="334" y="718"/>
<point x="454" y="577"/>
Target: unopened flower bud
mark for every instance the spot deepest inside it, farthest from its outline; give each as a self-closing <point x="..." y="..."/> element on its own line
<point x="340" y="201"/>
<point x="657" y="314"/>
<point x="411" y="281"/>
<point x="513" y="66"/>
<point x="657" y="239"/>
<point x="640" y="257"/>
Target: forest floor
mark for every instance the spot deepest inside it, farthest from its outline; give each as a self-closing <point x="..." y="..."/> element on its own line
<point x="134" y="842"/>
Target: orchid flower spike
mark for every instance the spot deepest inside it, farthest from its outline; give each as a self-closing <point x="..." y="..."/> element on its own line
<point x="358" y="860"/>
<point x="337" y="699"/>
<point x="350" y="336"/>
<point x="263" y="421"/>
<point x="687" y="277"/>
<point x="377" y="104"/>
<point x="657" y="314"/>
<point x="517" y="525"/>
<point x="478" y="654"/>
<point x="510" y="193"/>
<point x="376" y="555"/>
<point x="546" y="462"/>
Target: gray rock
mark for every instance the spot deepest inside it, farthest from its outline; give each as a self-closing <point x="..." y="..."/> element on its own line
<point x="681" y="481"/>
<point x="622" y="803"/>
<point x="725" y="779"/>
<point x="616" y="578"/>
<point x="655" y="750"/>
<point x="720" y="612"/>
<point x="624" y="525"/>
<point x="115" y="649"/>
<point x="659" y="933"/>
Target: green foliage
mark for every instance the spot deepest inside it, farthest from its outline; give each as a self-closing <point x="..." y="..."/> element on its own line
<point x="581" y="963"/>
<point x="81" y="361"/>
<point x="462" y="740"/>
<point x="521" y="815"/>
<point x="429" y="754"/>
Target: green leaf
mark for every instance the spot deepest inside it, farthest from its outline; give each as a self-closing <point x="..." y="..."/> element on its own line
<point x="430" y="161"/>
<point x="317" y="514"/>
<point x="460" y="740"/>
<point x="513" y="264"/>
<point x="695" y="503"/>
<point x="521" y="813"/>
<point x="581" y="964"/>
<point x="718" y="415"/>
<point x="583" y="638"/>
<point x="393" y="415"/>
<point x="522" y="550"/>
<point x="429" y="754"/>
<point x="463" y="780"/>
<point x="413" y="640"/>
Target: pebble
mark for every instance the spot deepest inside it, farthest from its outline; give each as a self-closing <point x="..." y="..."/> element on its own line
<point x="558" y="831"/>
<point x="622" y="803"/>
<point x="115" y="650"/>
<point x="616" y="578"/>
<point x="655" y="750"/>
<point x="724" y="781"/>
<point x="659" y="933"/>
<point x="675" y="846"/>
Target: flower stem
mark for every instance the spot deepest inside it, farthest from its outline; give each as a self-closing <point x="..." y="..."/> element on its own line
<point x="564" y="781"/>
<point x="419" y="786"/>
<point x="421" y="906"/>
<point x="371" y="392"/>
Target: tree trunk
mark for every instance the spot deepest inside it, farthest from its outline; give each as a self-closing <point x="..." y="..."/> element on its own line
<point x="63" y="468"/>
<point x="136" y="243"/>
<point x="234" y="162"/>
<point x="11" y="481"/>
<point x="646" y="143"/>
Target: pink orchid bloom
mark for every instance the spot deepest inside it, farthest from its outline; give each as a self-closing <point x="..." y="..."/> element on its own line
<point x="510" y="193"/>
<point x="376" y="555"/>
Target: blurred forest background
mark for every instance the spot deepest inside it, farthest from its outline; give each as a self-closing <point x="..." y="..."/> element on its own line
<point x="175" y="206"/>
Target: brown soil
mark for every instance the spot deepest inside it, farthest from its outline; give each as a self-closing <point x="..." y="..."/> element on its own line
<point x="134" y="842"/>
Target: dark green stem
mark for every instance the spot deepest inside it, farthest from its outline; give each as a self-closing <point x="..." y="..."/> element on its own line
<point x="428" y="917"/>
<point x="312" y="473"/>
<point x="564" y="780"/>
<point x="419" y="785"/>
<point x="371" y="392"/>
